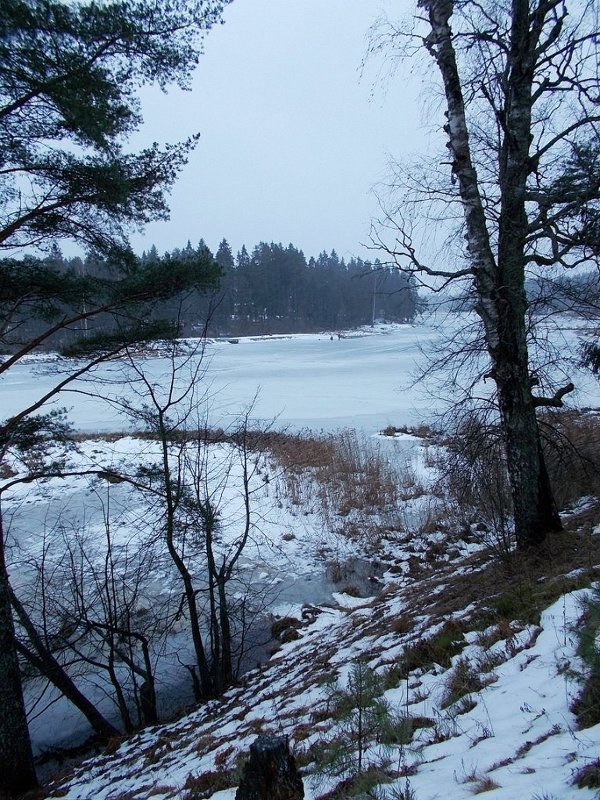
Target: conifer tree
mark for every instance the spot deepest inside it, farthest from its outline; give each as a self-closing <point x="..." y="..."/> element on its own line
<point x="69" y="74"/>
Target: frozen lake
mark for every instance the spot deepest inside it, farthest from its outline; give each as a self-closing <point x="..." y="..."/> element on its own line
<point x="303" y="381"/>
<point x="309" y="381"/>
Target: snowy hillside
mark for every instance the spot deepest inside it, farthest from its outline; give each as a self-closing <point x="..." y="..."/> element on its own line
<point x="478" y="702"/>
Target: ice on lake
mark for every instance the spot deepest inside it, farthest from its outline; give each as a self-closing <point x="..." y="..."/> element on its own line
<point x="311" y="381"/>
<point x="316" y="381"/>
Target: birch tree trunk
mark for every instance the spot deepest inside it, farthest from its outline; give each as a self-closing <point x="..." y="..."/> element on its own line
<point x="500" y="280"/>
<point x="534" y="507"/>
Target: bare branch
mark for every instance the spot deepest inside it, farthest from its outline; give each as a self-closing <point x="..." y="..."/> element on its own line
<point x="557" y="400"/>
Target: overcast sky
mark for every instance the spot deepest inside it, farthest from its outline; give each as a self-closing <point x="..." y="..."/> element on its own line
<point x="293" y="138"/>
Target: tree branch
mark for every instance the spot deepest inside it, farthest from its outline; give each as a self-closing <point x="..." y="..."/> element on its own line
<point x="556" y="400"/>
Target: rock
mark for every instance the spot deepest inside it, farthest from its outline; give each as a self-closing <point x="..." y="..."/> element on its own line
<point x="289" y="635"/>
<point x="310" y="613"/>
<point x="270" y="773"/>
<point x="281" y="626"/>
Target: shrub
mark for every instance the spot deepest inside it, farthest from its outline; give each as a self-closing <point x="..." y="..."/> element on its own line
<point x="571" y="443"/>
<point x="463" y="680"/>
<point x="587" y="705"/>
<point x="474" y="468"/>
<point x="518" y="603"/>
<point x="391" y="430"/>
<point x="439" y="649"/>
<point x="361" y="714"/>
<point x="363" y="719"/>
<point x="397" y="729"/>
<point x="282" y="626"/>
<point x="486" y="784"/>
<point x="588" y="777"/>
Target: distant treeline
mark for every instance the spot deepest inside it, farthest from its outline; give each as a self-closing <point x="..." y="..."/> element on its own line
<point x="272" y="290"/>
<point x="275" y="289"/>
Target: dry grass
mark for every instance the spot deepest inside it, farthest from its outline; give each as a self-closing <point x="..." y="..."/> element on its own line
<point x="157" y="750"/>
<point x="588" y="777"/>
<point x="523" y="587"/>
<point x="339" y="475"/>
<point x="359" y="785"/>
<point x="489" y="661"/>
<point x="571" y="442"/>
<point x="464" y="679"/>
<point x="200" y="787"/>
<point x="222" y="756"/>
<point x="438" y="649"/>
<point x="400" y="624"/>
<point x="503" y="631"/>
<point x="530" y="744"/>
<point x="486" y="784"/>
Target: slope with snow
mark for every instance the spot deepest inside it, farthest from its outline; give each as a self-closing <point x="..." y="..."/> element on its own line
<point x="510" y="734"/>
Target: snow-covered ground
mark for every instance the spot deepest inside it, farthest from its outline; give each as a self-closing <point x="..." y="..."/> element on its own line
<point x="54" y="523"/>
<point x="363" y="381"/>
<point x="511" y="736"/>
<point x="47" y="523"/>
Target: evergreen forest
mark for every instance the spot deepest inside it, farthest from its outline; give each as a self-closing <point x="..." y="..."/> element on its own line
<point x="273" y="289"/>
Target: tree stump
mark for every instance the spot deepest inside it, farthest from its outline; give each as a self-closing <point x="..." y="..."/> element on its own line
<point x="270" y="773"/>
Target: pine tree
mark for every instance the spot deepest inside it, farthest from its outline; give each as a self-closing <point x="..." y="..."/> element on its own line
<point x="76" y="67"/>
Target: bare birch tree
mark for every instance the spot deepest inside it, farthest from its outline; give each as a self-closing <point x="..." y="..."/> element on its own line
<point x="522" y="102"/>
